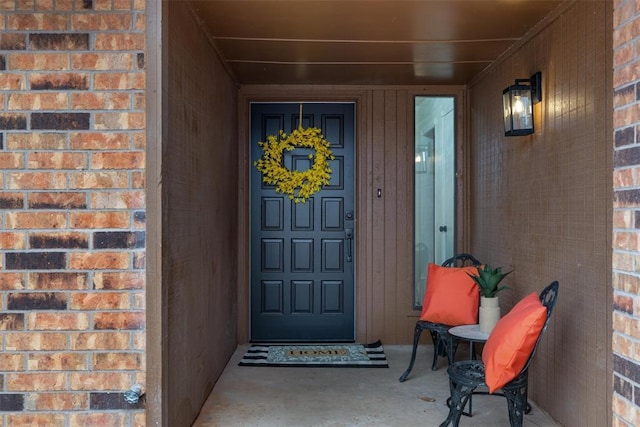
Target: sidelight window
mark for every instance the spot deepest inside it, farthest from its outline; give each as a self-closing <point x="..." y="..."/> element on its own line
<point x="434" y="186"/>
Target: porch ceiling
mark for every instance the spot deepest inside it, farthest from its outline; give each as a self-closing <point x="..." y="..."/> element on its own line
<point x="424" y="42"/>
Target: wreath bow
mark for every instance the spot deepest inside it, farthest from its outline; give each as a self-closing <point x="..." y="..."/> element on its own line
<point x="307" y="182"/>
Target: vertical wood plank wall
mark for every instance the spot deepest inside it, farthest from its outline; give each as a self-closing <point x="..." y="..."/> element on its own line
<point x="199" y="216"/>
<point x="541" y="204"/>
<point x="384" y="225"/>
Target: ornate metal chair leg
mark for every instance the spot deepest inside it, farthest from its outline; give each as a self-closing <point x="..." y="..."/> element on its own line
<point x="460" y="395"/>
<point x="416" y="339"/>
<point x="516" y="403"/>
<point x="437" y="349"/>
<point x="527" y="407"/>
<point x="443" y="345"/>
<point x="452" y="346"/>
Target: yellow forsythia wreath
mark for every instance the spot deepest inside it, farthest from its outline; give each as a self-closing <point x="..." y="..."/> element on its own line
<point x="307" y="182"/>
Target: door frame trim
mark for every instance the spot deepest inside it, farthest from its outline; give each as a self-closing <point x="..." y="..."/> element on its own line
<point x="157" y="409"/>
<point x="275" y="94"/>
<point x="245" y="142"/>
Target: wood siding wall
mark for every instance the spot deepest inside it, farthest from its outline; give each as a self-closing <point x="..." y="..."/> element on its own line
<point x="199" y="216"/>
<point x="384" y="225"/>
<point x="541" y="204"/>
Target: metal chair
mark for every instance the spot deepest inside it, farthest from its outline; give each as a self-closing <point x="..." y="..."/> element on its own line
<point x="465" y="376"/>
<point x="443" y="345"/>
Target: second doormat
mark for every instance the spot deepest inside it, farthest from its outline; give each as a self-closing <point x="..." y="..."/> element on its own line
<point x="317" y="355"/>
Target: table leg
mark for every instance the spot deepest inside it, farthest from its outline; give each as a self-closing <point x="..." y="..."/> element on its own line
<point x="472" y="356"/>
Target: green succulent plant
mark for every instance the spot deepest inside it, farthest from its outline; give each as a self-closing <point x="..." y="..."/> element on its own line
<point x="488" y="280"/>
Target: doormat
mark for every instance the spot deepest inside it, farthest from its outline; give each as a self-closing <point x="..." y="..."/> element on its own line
<point x="317" y="355"/>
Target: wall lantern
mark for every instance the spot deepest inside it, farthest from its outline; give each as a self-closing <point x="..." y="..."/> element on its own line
<point x="517" y="103"/>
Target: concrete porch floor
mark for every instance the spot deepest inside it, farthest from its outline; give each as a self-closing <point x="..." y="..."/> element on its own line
<point x="248" y="396"/>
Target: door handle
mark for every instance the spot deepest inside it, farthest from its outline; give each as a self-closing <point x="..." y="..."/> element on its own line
<point x="348" y="236"/>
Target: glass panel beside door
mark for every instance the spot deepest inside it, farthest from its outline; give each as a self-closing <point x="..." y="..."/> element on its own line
<point x="434" y="186"/>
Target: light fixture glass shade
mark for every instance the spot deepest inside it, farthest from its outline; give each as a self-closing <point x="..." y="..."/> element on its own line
<point x="518" y="110"/>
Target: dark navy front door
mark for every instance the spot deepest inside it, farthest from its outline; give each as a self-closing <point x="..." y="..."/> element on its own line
<point x="302" y="254"/>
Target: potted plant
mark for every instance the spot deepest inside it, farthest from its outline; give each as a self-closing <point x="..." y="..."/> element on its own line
<point x="488" y="280"/>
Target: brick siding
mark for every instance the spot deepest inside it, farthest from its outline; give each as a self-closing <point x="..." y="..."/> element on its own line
<point x="72" y="211"/>
<point x="626" y="214"/>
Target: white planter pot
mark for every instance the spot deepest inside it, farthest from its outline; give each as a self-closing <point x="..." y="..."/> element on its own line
<point x="489" y="313"/>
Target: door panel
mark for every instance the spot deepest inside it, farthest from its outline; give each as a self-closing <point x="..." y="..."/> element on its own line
<point x="302" y="272"/>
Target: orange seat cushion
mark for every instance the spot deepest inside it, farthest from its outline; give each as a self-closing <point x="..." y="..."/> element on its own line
<point x="512" y="341"/>
<point x="451" y="296"/>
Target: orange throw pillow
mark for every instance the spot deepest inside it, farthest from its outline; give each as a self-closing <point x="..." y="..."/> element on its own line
<point x="451" y="297"/>
<point x="512" y="341"/>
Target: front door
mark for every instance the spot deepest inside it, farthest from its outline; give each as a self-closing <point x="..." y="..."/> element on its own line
<point x="302" y="254"/>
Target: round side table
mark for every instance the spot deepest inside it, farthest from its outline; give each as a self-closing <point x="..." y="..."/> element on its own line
<point x="469" y="333"/>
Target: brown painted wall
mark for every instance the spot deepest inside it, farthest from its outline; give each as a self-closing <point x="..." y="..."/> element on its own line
<point x="541" y="204"/>
<point x="384" y="226"/>
<point x="199" y="179"/>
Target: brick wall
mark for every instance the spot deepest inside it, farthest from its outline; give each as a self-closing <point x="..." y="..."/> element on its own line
<point x="626" y="215"/>
<point x="72" y="219"/>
